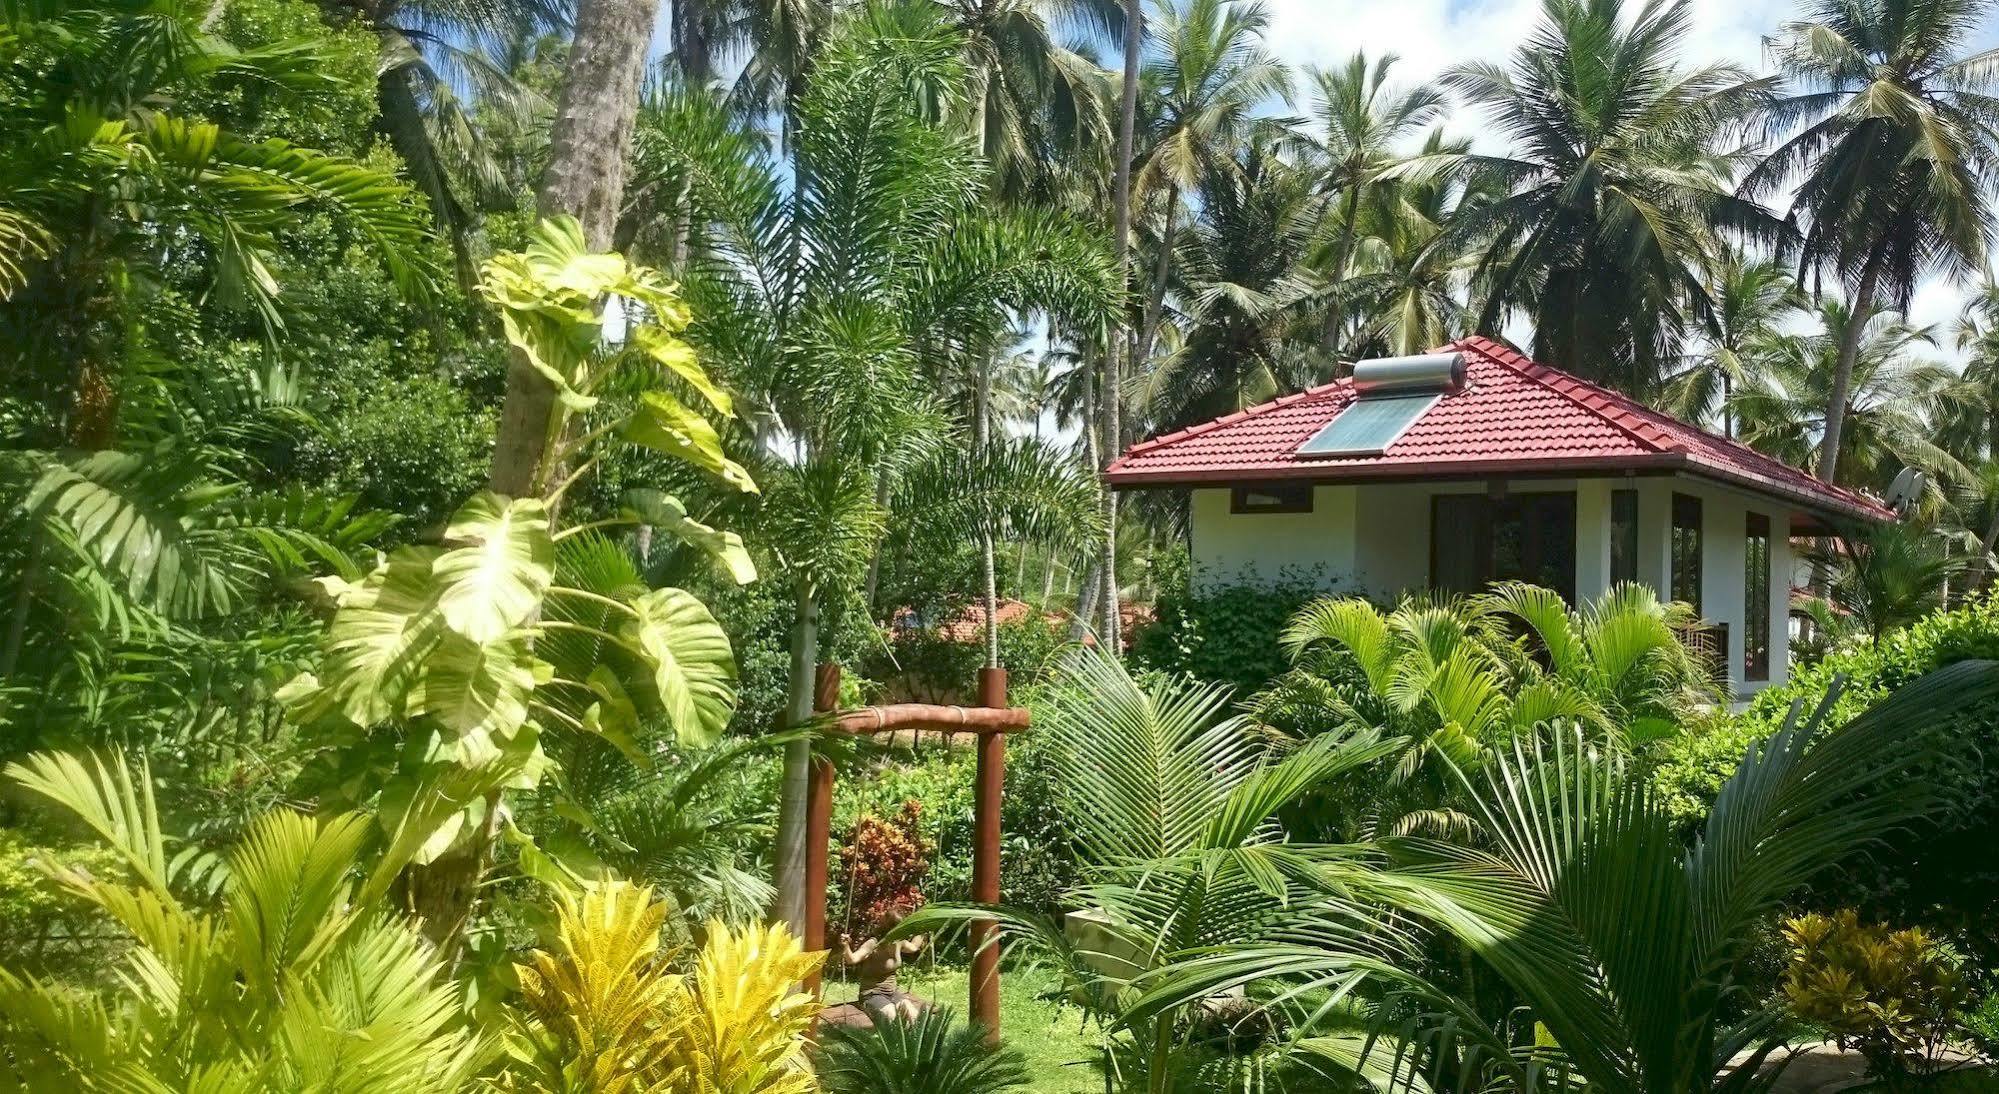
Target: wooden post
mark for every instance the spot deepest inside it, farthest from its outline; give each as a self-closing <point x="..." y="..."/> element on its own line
<point x="819" y="823"/>
<point x="984" y="934"/>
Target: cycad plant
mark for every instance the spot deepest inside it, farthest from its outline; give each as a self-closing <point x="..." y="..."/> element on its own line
<point x="932" y="1054"/>
<point x="603" y="1012"/>
<point x="1627" y="945"/>
<point x="302" y="979"/>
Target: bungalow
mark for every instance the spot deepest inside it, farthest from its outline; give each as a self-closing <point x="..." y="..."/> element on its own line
<point x="1475" y="464"/>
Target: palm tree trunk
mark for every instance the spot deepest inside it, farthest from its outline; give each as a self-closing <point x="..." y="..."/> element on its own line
<point x="873" y="580"/>
<point x="1342" y="255"/>
<point x="791" y="850"/>
<point x="1842" y="376"/>
<point x="1111" y="399"/>
<point x="1155" y="307"/>
<point x="585" y="178"/>
<point x="1727" y="411"/>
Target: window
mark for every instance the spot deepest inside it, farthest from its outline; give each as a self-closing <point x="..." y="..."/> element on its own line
<point x="1623" y="536"/>
<point x="1756" y="592"/>
<point x="1272" y="498"/>
<point x="1477" y="540"/>
<point x="1687" y="549"/>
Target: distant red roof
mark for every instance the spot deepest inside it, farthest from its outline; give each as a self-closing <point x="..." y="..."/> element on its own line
<point x="1515" y="417"/>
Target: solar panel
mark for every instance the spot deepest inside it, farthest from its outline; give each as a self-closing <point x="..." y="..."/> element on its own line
<point x="1369" y="425"/>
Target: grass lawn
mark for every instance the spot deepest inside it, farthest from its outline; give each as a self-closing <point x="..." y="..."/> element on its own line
<point x="1061" y="1051"/>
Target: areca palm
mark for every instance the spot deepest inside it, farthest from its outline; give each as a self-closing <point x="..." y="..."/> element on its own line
<point x="1890" y="387"/>
<point x="1893" y="157"/>
<point x="1619" y="182"/>
<point x="303" y="979"/>
<point x="1367" y="120"/>
<point x="1624" y="941"/>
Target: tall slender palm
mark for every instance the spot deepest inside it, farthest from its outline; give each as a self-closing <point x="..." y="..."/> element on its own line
<point x="1211" y="76"/>
<point x="1781" y="410"/>
<point x="1894" y="156"/>
<point x="1969" y="424"/>
<point x="836" y="288"/>
<point x="1752" y="298"/>
<point x="1619" y="182"/>
<point x="1110" y="430"/>
<point x="1367" y="121"/>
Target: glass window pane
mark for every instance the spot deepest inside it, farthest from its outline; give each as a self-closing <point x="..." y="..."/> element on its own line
<point x="1623" y="536"/>
<point x="1687" y="550"/>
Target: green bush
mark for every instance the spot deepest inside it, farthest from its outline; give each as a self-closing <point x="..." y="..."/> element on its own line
<point x="1226" y="635"/>
<point x="1945" y="877"/>
<point x="923" y="664"/>
<point x="50" y="931"/>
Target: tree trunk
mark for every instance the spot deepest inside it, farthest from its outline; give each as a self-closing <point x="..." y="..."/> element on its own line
<point x="791" y="849"/>
<point x="873" y="580"/>
<point x="1155" y="307"/>
<point x="1086" y="599"/>
<point x="1111" y="398"/>
<point x="690" y="42"/>
<point x="585" y="178"/>
<point x="1342" y="255"/>
<point x="1727" y="410"/>
<point x="1842" y="375"/>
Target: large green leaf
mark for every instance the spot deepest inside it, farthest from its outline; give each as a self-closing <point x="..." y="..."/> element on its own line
<point x="663" y="510"/>
<point x="478" y="691"/>
<point x="380" y="635"/>
<point x="665" y="424"/>
<point x="499" y="565"/>
<point x="693" y="667"/>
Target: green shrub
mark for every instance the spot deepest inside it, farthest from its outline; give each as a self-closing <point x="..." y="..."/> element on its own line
<point x="1225" y="635"/>
<point x="1945" y="877"/>
<point x="53" y="932"/>
<point x="925" y="665"/>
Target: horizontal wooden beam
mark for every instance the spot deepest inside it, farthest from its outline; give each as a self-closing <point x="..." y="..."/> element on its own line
<point x="928" y="717"/>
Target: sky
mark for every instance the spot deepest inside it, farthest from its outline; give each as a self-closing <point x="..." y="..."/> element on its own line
<point x="1431" y="35"/>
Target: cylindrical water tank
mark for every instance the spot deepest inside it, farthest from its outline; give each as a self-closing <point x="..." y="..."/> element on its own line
<point x="1393" y="375"/>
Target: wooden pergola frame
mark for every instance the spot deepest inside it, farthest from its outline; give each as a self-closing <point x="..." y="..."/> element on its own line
<point x="990" y="721"/>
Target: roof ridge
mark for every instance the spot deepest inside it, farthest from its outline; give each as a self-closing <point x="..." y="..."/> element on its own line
<point x="1232" y="417"/>
<point x="1653" y="435"/>
<point x="1546" y="375"/>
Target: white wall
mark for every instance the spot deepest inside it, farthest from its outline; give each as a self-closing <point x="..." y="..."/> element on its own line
<point x="1374" y="540"/>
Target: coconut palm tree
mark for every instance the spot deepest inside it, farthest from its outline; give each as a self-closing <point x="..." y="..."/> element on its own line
<point x="431" y="53"/>
<point x="1623" y="940"/>
<point x="1367" y="122"/>
<point x="1250" y="293"/>
<point x="1781" y="409"/>
<point x="1202" y="93"/>
<point x="1969" y="420"/>
<point x="1751" y="300"/>
<point x="1405" y="287"/>
<point x="1892" y="152"/>
<point x="1619" y="181"/>
<point x="1032" y="99"/>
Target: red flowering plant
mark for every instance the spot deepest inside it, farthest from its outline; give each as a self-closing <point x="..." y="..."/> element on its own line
<point x="882" y="866"/>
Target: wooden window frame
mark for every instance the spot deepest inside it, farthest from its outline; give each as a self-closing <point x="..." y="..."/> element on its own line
<point x="1291" y="498"/>
<point x="1624" y="498"/>
<point x="1683" y="504"/>
<point x="1756" y="614"/>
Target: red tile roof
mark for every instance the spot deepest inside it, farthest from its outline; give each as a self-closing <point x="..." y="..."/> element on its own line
<point x="1514" y="417"/>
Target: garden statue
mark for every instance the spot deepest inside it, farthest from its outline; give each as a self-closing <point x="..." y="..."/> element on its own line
<point x="884" y="864"/>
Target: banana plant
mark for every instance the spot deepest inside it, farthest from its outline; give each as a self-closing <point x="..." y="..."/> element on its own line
<point x="458" y="656"/>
